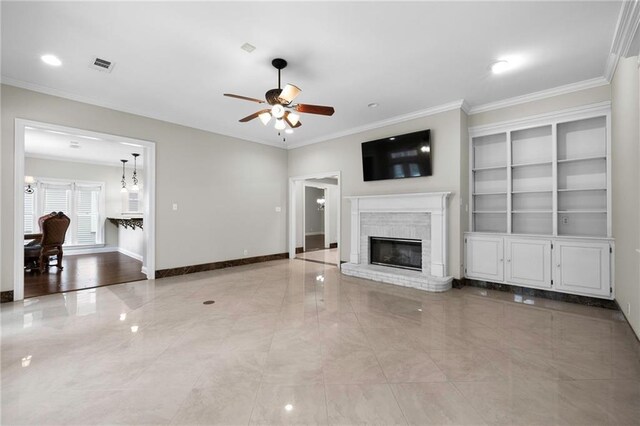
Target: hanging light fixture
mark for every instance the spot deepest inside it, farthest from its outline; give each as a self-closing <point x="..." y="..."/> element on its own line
<point x="123" y="181"/>
<point x="321" y="202"/>
<point x="135" y="186"/>
<point x="29" y="180"/>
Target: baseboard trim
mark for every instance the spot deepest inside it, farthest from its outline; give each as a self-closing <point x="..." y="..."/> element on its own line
<point x="333" y="245"/>
<point x="130" y="254"/>
<point x="92" y="250"/>
<point x="545" y="294"/>
<point x="299" y="250"/>
<point x="183" y="270"/>
<point x="6" y="296"/>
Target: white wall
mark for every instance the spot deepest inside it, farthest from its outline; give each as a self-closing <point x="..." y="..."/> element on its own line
<point x="344" y="154"/>
<point x="626" y="187"/>
<point x="83" y="171"/>
<point x="226" y="188"/>
<point x="314" y="218"/>
<point x="131" y="242"/>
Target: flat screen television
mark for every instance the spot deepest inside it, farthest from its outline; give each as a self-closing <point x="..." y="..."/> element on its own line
<point x="397" y="157"/>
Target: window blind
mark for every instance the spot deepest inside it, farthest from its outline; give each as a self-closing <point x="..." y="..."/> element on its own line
<point x="29" y="213"/>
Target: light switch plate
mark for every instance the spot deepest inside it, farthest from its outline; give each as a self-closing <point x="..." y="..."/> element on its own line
<point x="175" y="206"/>
<point x="278" y="209"/>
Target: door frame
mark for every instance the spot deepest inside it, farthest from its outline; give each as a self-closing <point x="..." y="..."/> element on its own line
<point x="292" y="208"/>
<point x="148" y="190"/>
<point x="326" y="215"/>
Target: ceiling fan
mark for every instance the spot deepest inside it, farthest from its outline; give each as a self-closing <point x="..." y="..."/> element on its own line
<point x="282" y="108"/>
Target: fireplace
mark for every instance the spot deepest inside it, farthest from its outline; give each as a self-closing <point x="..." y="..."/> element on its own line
<point x="396" y="252"/>
<point x="400" y="239"/>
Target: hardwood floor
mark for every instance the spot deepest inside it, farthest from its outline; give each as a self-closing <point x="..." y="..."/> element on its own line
<point x="84" y="271"/>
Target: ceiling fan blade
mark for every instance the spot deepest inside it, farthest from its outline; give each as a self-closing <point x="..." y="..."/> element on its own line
<point x="314" y="109"/>
<point x="293" y="122"/>
<point x="245" y="98"/>
<point x="252" y="116"/>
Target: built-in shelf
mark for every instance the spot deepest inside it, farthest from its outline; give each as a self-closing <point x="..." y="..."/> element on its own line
<point x="531" y="211"/>
<point x="541" y="163"/>
<point x="556" y="181"/>
<point x="482" y="169"/>
<point x="126" y="222"/>
<point x="490" y="211"/>
<point x="580" y="189"/>
<point x="489" y="193"/>
<point x="570" y="160"/>
<point x="583" y="211"/>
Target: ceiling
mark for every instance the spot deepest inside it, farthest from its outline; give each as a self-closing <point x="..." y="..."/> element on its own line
<point x="52" y="144"/>
<point x="174" y="60"/>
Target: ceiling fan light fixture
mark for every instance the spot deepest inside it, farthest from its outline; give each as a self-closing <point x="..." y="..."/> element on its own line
<point x="289" y="93"/>
<point x="293" y="118"/>
<point x="277" y="111"/>
<point x="265" y="117"/>
<point x="280" y="124"/>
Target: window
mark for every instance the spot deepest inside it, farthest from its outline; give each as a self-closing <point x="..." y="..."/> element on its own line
<point x="83" y="202"/>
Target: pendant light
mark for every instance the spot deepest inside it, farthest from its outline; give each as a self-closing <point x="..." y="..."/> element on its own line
<point x="123" y="181"/>
<point x="135" y="186"/>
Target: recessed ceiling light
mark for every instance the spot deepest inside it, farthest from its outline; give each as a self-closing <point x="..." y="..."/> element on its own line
<point x="51" y="60"/>
<point x="392" y="139"/>
<point x="247" y="47"/>
<point x="500" y="66"/>
<point x="373" y="105"/>
<point x="289" y="131"/>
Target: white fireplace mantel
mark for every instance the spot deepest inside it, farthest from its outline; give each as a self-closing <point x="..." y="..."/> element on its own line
<point x="434" y="203"/>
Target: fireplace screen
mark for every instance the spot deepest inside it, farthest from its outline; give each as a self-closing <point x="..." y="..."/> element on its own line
<point x="399" y="253"/>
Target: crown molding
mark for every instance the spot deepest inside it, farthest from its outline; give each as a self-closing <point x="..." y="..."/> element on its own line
<point x="383" y="123"/>
<point x="91" y="101"/>
<point x="574" y="113"/>
<point x="626" y="27"/>
<point x="543" y="94"/>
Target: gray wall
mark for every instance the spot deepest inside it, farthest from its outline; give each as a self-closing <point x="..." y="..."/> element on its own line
<point x="626" y="187"/>
<point x="313" y="218"/>
<point x="226" y="188"/>
<point x="343" y="154"/>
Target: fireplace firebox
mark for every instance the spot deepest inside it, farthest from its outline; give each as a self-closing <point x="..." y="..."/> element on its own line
<point x="396" y="252"/>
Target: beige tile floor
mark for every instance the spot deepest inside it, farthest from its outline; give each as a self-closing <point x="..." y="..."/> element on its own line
<point x="326" y="255"/>
<point x="292" y="342"/>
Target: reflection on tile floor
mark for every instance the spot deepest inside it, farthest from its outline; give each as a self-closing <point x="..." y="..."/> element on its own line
<point x="326" y="256"/>
<point x="296" y="342"/>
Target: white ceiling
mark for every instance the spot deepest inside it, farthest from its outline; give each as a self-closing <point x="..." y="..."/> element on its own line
<point x="42" y="143"/>
<point x="174" y="60"/>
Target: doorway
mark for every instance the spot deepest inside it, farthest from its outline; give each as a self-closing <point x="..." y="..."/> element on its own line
<point x="79" y="172"/>
<point x="314" y="222"/>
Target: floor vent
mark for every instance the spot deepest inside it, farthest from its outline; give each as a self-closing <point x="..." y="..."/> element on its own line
<point x="101" y="64"/>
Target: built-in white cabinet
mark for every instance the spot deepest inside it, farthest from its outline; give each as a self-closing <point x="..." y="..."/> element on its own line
<point x="583" y="267"/>
<point x="528" y="262"/>
<point x="577" y="265"/>
<point x="485" y="257"/>
<point x="540" y="202"/>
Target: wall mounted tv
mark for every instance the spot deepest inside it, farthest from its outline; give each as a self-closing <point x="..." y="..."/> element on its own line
<point x="397" y="157"/>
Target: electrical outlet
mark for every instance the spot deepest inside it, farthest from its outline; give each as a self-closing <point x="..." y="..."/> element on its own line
<point x="565" y="220"/>
<point x="246" y="252"/>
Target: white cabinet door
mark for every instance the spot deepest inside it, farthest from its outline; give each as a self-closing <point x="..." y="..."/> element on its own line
<point x="528" y="262"/>
<point x="485" y="258"/>
<point x="582" y="267"/>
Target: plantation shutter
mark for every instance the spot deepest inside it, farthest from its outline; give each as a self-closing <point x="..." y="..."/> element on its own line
<point x="56" y="198"/>
<point x="87" y="214"/>
<point x="29" y="213"/>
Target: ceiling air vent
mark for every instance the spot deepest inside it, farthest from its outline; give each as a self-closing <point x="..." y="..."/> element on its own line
<point x="101" y="64"/>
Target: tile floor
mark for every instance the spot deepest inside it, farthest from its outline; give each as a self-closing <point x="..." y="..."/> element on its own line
<point x="292" y="342"/>
<point x="327" y="256"/>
